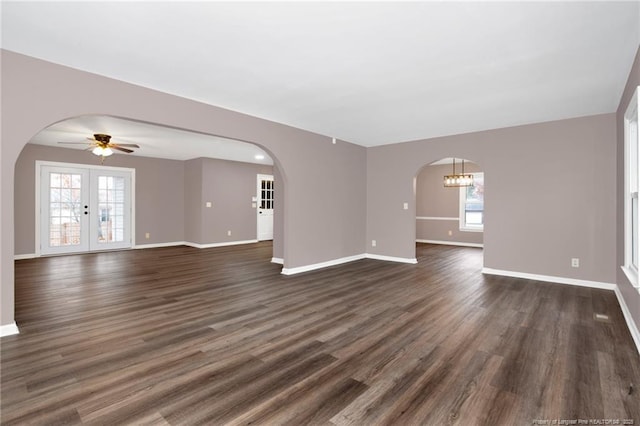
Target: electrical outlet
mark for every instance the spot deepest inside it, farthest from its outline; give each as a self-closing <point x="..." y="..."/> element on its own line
<point x="373" y="243"/>
<point x="575" y="262"/>
<point x="229" y="233"/>
<point x="450" y="232"/>
<point x="405" y="206"/>
<point x="208" y="204"/>
<point x="147" y="235"/>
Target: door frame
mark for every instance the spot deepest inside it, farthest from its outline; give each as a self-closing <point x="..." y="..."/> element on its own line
<point x="41" y="163"/>
<point x="259" y="178"/>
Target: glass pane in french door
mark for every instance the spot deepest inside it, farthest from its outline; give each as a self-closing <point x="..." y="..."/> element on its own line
<point x="111" y="209"/>
<point x="65" y="209"/>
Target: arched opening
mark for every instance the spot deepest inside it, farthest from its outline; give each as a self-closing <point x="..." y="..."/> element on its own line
<point x="181" y="178"/>
<point x="449" y="215"/>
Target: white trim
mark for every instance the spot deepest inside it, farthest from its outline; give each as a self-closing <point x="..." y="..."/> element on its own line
<point x="551" y="279"/>
<point x="312" y="267"/>
<point x="391" y="258"/>
<point x="632" y="277"/>
<point x="631" y="184"/>
<point x="463" y="226"/>
<point x="340" y="261"/>
<point x="9" y="329"/>
<point x="635" y="334"/>
<point x="260" y="178"/>
<point x="436" y="218"/>
<point x="25" y="256"/>
<point x="277" y="260"/>
<point x="132" y="190"/>
<point x="158" y="245"/>
<point x="211" y="245"/>
<point x="451" y="243"/>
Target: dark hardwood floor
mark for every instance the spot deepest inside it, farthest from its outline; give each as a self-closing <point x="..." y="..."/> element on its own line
<point x="218" y="336"/>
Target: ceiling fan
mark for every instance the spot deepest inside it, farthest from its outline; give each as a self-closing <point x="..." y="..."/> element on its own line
<point x="100" y="144"/>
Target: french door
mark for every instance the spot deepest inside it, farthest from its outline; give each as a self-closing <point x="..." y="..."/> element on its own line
<point x="84" y="208"/>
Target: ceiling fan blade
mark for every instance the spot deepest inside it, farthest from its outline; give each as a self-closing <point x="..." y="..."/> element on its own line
<point x="130" y="145"/>
<point x="119" y="148"/>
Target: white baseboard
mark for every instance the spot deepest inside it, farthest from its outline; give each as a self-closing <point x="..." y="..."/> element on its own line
<point x="224" y="244"/>
<point x="25" y="256"/>
<point x="9" y="329"/>
<point x="157" y="245"/>
<point x="631" y="325"/>
<point x="277" y="260"/>
<point x="391" y="258"/>
<point x="551" y="279"/>
<point x="451" y="243"/>
<point x="307" y="268"/>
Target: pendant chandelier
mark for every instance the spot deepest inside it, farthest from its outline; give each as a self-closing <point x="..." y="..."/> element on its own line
<point x="458" y="179"/>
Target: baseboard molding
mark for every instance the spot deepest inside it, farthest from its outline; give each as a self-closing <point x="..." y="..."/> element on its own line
<point x="451" y="243"/>
<point x="158" y="245"/>
<point x="631" y="325"/>
<point x="551" y="279"/>
<point x="224" y="244"/>
<point x="277" y="260"/>
<point x="9" y="329"/>
<point x="391" y="258"/>
<point x="25" y="256"/>
<point x="313" y="267"/>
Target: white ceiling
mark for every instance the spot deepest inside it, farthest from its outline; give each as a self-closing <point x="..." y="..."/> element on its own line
<point x="154" y="141"/>
<point x="370" y="73"/>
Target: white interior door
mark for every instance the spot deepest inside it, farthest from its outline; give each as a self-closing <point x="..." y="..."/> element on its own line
<point x="265" y="207"/>
<point x="84" y="209"/>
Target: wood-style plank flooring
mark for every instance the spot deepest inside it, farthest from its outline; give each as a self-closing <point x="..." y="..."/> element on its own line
<point x="184" y="336"/>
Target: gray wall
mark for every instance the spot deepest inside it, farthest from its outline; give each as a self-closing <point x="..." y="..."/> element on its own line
<point x="322" y="184"/>
<point x="170" y="196"/>
<point x="159" y="193"/>
<point x="278" y="215"/>
<point x="434" y="200"/>
<point x="631" y="295"/>
<point x="559" y="202"/>
<point x="555" y="204"/>
<point x="229" y="186"/>
<point x="193" y="200"/>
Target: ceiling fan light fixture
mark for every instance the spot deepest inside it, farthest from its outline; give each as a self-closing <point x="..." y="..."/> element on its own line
<point x="102" y="151"/>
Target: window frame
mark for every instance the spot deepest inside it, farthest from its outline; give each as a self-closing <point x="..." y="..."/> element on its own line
<point x="631" y="187"/>
<point x="464" y="226"/>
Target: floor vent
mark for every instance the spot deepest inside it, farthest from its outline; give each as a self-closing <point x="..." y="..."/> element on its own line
<point x="601" y="317"/>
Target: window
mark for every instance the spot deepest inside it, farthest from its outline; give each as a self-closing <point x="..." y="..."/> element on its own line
<point x="631" y="184"/>
<point x="472" y="205"/>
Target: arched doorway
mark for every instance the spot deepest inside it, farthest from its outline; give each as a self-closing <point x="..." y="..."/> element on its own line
<point x="190" y="187"/>
<point x="449" y="215"/>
